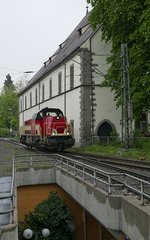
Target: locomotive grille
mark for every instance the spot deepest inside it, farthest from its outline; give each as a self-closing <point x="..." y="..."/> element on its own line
<point x="60" y="130"/>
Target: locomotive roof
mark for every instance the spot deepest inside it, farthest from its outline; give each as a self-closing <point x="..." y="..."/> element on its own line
<point x="65" y="50"/>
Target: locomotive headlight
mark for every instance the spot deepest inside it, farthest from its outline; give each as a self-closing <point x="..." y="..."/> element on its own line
<point x="67" y="132"/>
<point x="54" y="132"/>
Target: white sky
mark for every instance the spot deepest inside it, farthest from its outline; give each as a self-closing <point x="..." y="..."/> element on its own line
<point x="31" y="31"/>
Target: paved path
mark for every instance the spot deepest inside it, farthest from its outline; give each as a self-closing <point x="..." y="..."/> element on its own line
<point x="5" y="204"/>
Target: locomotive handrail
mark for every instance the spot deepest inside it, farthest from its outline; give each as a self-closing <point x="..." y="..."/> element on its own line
<point x="85" y="171"/>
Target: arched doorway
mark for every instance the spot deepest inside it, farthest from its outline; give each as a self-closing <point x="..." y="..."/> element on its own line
<point x="105" y="129"/>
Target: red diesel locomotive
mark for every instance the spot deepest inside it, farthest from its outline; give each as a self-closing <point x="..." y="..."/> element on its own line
<point x="48" y="129"/>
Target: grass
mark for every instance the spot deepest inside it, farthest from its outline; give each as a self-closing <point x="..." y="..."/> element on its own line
<point x="140" y="151"/>
<point x="5" y="170"/>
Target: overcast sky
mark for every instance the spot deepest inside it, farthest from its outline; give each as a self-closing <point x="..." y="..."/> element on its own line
<point x="31" y="31"/>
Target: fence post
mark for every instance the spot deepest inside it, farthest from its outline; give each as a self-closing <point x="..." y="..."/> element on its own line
<point x="83" y="173"/>
<point x="125" y="184"/>
<point x="109" y="184"/>
<point x="142" y="190"/>
<point x="94" y="178"/>
<point x="31" y="164"/>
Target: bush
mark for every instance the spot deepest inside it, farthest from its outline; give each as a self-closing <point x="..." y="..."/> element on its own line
<point x="4" y="132"/>
<point x="51" y="213"/>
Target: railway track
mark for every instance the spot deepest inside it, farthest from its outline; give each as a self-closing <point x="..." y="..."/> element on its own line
<point x="18" y="144"/>
<point x="111" y="164"/>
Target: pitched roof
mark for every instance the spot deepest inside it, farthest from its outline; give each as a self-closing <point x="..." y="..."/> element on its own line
<point x="79" y="35"/>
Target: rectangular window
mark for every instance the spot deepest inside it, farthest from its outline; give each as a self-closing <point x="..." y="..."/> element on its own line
<point x="50" y="88"/>
<point x="43" y="92"/>
<point x="36" y="96"/>
<point x="30" y="99"/>
<point x="72" y="76"/>
<point x="59" y="83"/>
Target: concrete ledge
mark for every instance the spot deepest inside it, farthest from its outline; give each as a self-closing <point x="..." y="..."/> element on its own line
<point x="9" y="232"/>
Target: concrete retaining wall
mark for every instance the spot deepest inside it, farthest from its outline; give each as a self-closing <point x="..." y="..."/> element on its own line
<point x="116" y="213"/>
<point x="33" y="176"/>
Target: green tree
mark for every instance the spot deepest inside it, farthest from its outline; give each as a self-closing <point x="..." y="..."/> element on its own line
<point x="8" y="105"/>
<point x="51" y="213"/>
<point x="9" y="110"/>
<point x="8" y="84"/>
<point x="127" y="21"/>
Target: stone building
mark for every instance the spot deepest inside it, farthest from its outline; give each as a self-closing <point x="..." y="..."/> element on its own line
<point x="71" y="80"/>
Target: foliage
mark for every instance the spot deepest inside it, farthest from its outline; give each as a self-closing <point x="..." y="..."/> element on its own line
<point x="9" y="110"/>
<point x="53" y="214"/>
<point x="126" y="21"/>
<point x="9" y="105"/>
<point x="141" y="149"/>
<point x="4" y="132"/>
<point x="8" y="84"/>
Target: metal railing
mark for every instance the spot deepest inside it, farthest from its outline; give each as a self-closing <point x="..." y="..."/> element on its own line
<point x="98" y="178"/>
<point x="23" y="161"/>
<point x="11" y="196"/>
<point x="108" y="181"/>
<point x="109" y="139"/>
<point x="34" y="160"/>
<point x="105" y="139"/>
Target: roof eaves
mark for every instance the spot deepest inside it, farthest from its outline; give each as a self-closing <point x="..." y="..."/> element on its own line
<point x="72" y="44"/>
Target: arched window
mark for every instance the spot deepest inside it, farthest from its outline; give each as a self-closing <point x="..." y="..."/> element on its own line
<point x="50" y="88"/>
<point x="30" y="99"/>
<point x="25" y="102"/>
<point x="59" y="83"/>
<point x="43" y="92"/>
<point x="36" y="96"/>
<point x="21" y="105"/>
<point x="72" y="76"/>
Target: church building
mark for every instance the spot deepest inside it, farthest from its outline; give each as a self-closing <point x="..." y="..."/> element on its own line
<point x="71" y="79"/>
